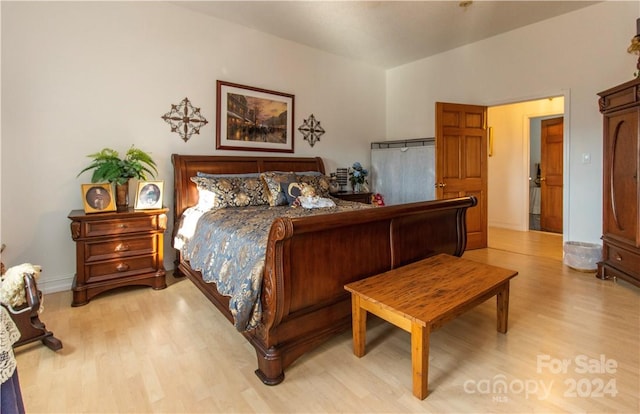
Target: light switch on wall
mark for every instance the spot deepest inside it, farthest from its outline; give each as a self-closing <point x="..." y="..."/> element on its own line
<point x="586" y="158"/>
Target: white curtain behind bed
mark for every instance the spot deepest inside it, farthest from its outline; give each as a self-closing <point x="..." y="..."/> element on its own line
<point x="404" y="171"/>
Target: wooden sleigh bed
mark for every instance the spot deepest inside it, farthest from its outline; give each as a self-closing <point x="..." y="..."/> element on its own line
<point x="310" y="259"/>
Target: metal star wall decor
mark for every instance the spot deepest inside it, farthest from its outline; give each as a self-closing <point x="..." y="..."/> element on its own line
<point x="311" y="130"/>
<point x="185" y="119"/>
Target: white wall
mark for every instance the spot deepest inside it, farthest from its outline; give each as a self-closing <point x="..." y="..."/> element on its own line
<point x="579" y="54"/>
<point x="80" y="76"/>
<point x="508" y="167"/>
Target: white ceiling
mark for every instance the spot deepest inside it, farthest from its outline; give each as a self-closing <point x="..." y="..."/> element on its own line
<point x="384" y="33"/>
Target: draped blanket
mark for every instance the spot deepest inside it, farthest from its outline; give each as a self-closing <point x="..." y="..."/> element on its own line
<point x="9" y="335"/>
<point x="228" y="245"/>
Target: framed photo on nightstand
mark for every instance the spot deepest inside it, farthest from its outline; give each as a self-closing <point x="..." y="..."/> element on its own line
<point x="149" y="195"/>
<point x="98" y="198"/>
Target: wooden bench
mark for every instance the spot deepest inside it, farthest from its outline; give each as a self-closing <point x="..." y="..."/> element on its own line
<point x="422" y="296"/>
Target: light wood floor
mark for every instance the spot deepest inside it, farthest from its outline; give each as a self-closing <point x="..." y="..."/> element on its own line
<point x="139" y="350"/>
<point x="532" y="243"/>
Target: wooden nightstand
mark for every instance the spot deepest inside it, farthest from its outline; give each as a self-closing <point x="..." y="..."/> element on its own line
<point x="351" y="196"/>
<point x="117" y="249"/>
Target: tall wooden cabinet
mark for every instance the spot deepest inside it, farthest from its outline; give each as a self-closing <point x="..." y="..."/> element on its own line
<point x="621" y="187"/>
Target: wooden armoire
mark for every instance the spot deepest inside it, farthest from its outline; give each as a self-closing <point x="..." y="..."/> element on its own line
<point x="620" y="106"/>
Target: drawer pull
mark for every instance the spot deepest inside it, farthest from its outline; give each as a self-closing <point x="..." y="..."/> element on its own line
<point x="122" y="226"/>
<point x="618" y="257"/>
<point x="122" y="247"/>
<point x="122" y="267"/>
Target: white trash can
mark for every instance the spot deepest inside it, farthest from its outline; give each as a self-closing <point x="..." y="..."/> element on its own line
<point x="582" y="256"/>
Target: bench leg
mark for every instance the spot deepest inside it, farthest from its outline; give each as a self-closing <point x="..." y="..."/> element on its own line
<point x="359" y="324"/>
<point x="502" y="299"/>
<point x="420" y="359"/>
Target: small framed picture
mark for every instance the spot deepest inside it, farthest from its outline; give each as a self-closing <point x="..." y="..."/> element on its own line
<point x="149" y="195"/>
<point x="98" y="198"/>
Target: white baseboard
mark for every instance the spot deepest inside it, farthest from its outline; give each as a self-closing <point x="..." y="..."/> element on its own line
<point x="508" y="226"/>
<point x="60" y="284"/>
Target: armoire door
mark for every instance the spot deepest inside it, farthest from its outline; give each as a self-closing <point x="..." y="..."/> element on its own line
<point x="621" y="177"/>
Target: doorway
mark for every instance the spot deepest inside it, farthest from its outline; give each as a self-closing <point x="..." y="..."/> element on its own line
<point x="515" y="142"/>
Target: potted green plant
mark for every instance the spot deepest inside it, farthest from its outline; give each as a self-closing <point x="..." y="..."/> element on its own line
<point x="107" y="166"/>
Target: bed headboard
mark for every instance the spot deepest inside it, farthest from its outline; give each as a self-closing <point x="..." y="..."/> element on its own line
<point x="185" y="193"/>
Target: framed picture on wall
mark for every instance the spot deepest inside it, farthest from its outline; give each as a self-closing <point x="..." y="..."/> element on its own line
<point x="253" y="119"/>
<point x="149" y="195"/>
<point x="98" y="198"/>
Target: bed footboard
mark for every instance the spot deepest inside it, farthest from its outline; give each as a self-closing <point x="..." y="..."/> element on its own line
<point x="310" y="259"/>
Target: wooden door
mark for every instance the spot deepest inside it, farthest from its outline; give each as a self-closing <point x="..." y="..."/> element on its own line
<point x="551" y="164"/>
<point x="461" y="162"/>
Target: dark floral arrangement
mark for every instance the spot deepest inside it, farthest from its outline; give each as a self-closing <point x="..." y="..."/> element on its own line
<point x="357" y="174"/>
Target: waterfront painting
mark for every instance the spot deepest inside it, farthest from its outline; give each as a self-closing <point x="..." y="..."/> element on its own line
<point x="253" y="119"/>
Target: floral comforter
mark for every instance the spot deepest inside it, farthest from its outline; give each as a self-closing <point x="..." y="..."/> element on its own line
<point x="228" y="246"/>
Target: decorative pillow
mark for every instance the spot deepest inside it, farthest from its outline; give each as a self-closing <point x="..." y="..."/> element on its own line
<point x="297" y="172"/>
<point x="244" y="175"/>
<point x="206" y="199"/>
<point x="291" y="190"/>
<point x="273" y="190"/>
<point x="320" y="183"/>
<point x="229" y="192"/>
<point x="308" y="173"/>
<point x="297" y="192"/>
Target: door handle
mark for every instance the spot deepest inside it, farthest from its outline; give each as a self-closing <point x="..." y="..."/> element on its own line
<point x="543" y="178"/>
<point x="441" y="185"/>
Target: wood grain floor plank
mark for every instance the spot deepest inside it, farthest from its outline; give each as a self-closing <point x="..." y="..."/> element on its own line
<point x="139" y="350"/>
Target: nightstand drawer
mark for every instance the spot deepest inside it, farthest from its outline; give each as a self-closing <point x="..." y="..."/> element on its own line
<point x="119" y="226"/>
<point x="121" y="247"/>
<point x="115" y="269"/>
<point x="623" y="259"/>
